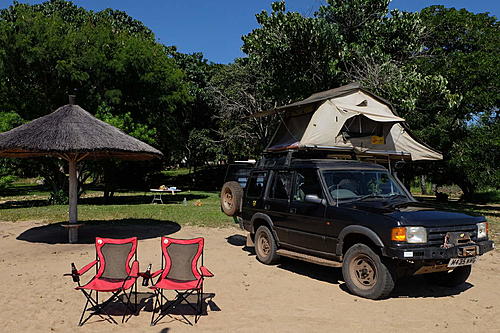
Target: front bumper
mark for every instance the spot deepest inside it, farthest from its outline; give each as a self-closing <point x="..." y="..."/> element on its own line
<point x="429" y="253"/>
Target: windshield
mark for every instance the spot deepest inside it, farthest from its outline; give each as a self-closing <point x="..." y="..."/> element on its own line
<point x="360" y="184"/>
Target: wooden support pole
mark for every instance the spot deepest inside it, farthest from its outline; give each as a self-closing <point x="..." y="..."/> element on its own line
<point x="73" y="199"/>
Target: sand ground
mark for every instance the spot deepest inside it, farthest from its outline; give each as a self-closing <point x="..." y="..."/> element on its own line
<point x="244" y="295"/>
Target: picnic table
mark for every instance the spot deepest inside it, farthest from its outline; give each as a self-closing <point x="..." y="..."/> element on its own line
<point x="157" y="193"/>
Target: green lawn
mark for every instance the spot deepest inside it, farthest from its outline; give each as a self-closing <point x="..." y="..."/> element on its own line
<point x="128" y="205"/>
<point x="27" y="202"/>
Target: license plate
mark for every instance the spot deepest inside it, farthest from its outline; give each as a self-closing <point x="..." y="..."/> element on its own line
<point x="455" y="262"/>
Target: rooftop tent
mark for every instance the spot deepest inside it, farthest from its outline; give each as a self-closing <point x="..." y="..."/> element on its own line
<point x="351" y="119"/>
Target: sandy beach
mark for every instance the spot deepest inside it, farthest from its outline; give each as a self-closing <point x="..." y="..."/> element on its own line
<point x="244" y="295"/>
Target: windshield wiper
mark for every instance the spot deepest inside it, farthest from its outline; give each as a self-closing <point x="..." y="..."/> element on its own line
<point x="369" y="196"/>
<point x="397" y="195"/>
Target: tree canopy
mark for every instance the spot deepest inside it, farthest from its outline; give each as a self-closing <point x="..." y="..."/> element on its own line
<point x="439" y="68"/>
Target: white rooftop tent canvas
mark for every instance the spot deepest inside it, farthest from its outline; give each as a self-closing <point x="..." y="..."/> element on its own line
<point x="347" y="118"/>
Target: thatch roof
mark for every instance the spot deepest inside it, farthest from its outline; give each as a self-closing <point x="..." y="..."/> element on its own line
<point x="71" y="129"/>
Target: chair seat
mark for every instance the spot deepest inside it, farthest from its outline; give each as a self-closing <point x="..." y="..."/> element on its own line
<point x="100" y="284"/>
<point x="177" y="284"/>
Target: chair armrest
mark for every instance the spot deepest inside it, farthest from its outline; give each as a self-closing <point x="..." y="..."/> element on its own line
<point x="205" y="272"/>
<point x="134" y="271"/>
<point x="87" y="267"/>
<point x="155" y="274"/>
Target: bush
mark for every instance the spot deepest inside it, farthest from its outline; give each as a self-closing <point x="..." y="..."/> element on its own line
<point x="59" y="197"/>
<point x="6" y="181"/>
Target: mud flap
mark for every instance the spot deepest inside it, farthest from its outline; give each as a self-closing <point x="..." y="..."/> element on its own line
<point x="250" y="242"/>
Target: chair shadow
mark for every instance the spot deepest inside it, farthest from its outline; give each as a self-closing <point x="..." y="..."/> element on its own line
<point x="181" y="309"/>
<point x="54" y="233"/>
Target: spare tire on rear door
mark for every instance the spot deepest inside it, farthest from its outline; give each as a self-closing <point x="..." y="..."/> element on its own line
<point x="230" y="198"/>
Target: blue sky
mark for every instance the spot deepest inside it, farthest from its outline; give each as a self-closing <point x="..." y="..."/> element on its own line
<point x="215" y="27"/>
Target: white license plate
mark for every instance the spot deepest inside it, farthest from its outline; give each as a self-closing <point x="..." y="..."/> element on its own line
<point x="455" y="262"/>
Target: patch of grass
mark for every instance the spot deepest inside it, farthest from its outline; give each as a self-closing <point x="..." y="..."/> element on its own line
<point x="129" y="205"/>
<point x="175" y="172"/>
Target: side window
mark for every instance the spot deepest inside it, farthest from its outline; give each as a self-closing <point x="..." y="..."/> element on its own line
<point x="307" y="183"/>
<point x="282" y="185"/>
<point x="256" y="184"/>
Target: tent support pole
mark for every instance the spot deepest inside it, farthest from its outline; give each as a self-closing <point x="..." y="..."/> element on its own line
<point x="73" y="197"/>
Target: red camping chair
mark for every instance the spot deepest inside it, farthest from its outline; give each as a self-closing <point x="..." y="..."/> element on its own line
<point x="181" y="274"/>
<point x="114" y="274"/>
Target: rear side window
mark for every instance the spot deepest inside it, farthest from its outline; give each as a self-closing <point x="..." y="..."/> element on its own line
<point x="256" y="184"/>
<point x="282" y="184"/>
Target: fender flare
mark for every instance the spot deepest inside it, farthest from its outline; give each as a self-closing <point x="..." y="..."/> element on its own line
<point x="265" y="217"/>
<point x="357" y="229"/>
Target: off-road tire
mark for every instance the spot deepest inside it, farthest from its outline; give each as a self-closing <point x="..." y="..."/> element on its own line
<point x="366" y="274"/>
<point x="265" y="246"/>
<point x="452" y="278"/>
<point x="231" y="196"/>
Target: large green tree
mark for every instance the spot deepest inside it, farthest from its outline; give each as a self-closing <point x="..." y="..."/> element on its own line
<point x="112" y="62"/>
<point x="463" y="47"/>
<point x="109" y="59"/>
<point x="439" y="67"/>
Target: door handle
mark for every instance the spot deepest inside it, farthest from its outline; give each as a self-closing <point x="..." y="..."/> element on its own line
<point x="293" y="210"/>
<point x="267" y="207"/>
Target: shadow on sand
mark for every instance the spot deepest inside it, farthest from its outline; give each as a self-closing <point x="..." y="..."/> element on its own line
<point x="99" y="201"/>
<point x="407" y="287"/>
<point x="54" y="233"/>
<point x="139" y="199"/>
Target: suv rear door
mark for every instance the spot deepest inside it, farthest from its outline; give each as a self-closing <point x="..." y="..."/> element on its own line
<point x="306" y="221"/>
<point x="254" y="193"/>
<point x="277" y="202"/>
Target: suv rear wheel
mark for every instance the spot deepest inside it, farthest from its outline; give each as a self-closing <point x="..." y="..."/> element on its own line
<point x="265" y="246"/>
<point x="365" y="274"/>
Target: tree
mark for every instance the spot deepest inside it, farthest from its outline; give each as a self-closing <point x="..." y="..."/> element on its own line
<point x="463" y="48"/>
<point x="438" y="67"/>
<point x="237" y="94"/>
<point x="112" y="61"/>
<point x="48" y="50"/>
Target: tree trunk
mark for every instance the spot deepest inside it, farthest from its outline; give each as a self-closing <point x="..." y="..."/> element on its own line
<point x="423" y="185"/>
<point x="73" y="199"/>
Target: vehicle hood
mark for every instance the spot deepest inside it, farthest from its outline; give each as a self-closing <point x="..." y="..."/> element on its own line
<point x="419" y="214"/>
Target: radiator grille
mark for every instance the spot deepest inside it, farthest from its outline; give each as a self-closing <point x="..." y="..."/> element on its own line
<point x="435" y="236"/>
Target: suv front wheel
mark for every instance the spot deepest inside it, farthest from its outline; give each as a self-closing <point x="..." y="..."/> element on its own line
<point x="265" y="246"/>
<point x="365" y="274"/>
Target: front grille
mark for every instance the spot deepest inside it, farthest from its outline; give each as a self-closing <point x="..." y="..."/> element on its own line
<point x="435" y="236"/>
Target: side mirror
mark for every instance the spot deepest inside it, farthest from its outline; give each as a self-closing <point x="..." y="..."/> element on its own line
<point x="313" y="198"/>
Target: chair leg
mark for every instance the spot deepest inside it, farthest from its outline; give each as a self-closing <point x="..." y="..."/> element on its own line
<point x="99" y="308"/>
<point x="128" y="305"/>
<point x="200" y="305"/>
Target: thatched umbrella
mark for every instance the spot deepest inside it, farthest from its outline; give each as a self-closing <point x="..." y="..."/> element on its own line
<point x="73" y="134"/>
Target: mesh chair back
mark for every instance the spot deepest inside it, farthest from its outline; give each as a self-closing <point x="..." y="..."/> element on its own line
<point x="181" y="258"/>
<point x="114" y="256"/>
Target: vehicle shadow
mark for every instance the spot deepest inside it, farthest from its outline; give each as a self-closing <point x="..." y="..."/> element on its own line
<point x="241" y="241"/>
<point x="313" y="271"/>
<point x="407" y="287"/>
<point x="419" y="287"/>
<point x="55" y="233"/>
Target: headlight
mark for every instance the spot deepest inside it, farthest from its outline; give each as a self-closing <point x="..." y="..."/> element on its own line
<point x="482" y="230"/>
<point x="412" y="235"/>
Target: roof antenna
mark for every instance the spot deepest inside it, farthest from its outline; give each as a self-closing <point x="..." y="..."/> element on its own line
<point x="72" y="99"/>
